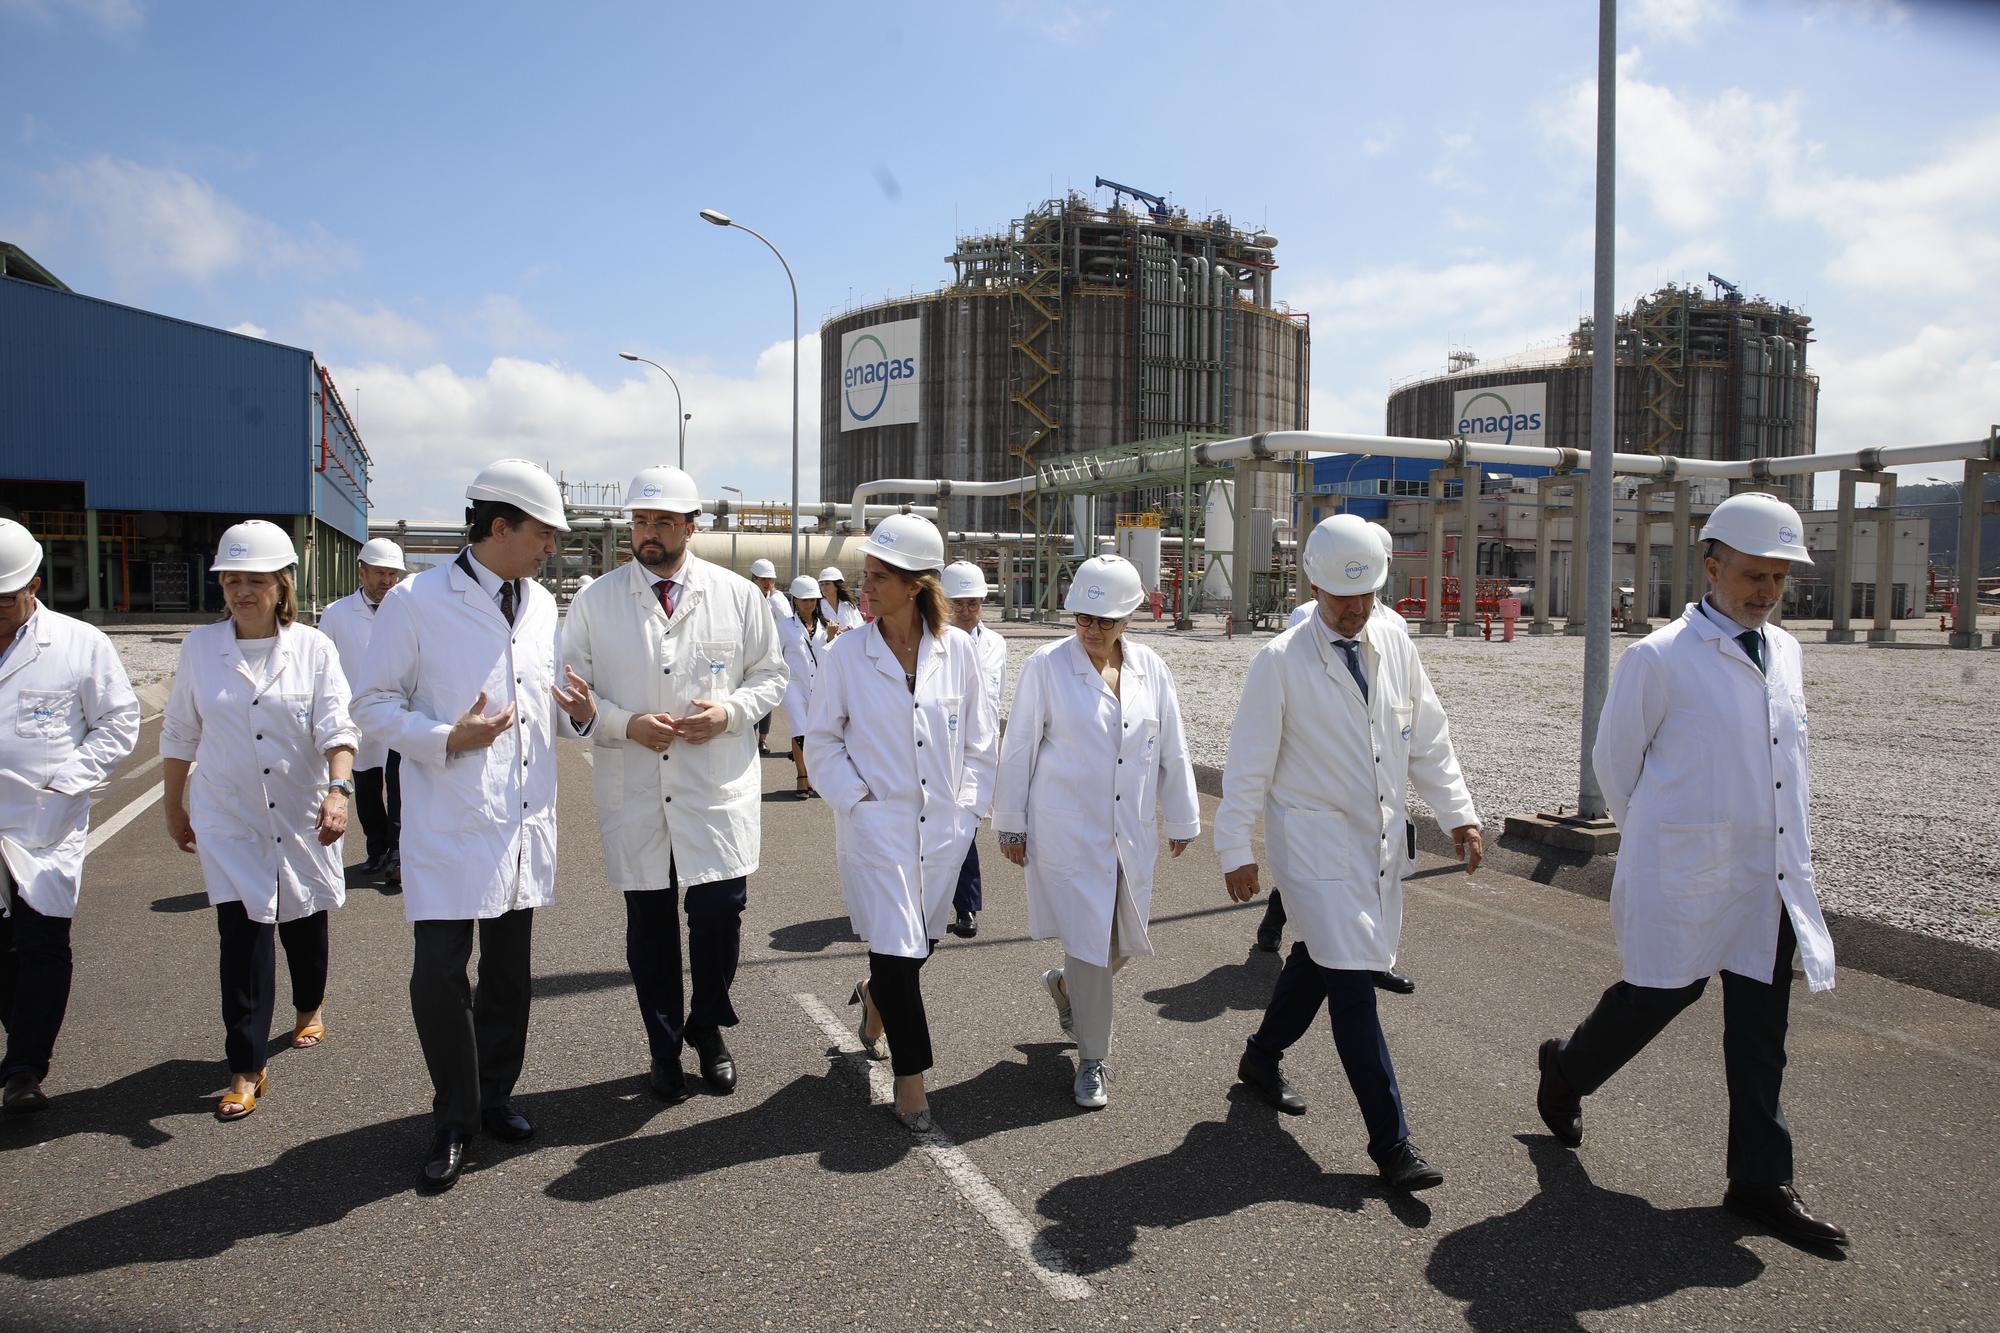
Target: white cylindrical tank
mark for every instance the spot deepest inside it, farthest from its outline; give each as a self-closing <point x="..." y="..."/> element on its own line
<point x="1142" y="547"/>
<point x="1218" y="537"/>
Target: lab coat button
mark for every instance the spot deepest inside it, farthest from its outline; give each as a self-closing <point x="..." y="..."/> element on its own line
<point x="920" y="819"/>
<point x="1781" y="786"/>
<point x="1781" y="874"/>
<point x="255" y="702"/>
<point x="260" y="735"/>
<point x="268" y="770"/>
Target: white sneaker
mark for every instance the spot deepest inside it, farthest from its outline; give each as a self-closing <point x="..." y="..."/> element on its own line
<point x="1092" y="1085"/>
<point x="1052" y="983"/>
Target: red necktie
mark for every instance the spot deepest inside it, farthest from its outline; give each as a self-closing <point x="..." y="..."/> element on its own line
<point x="665" y="589"/>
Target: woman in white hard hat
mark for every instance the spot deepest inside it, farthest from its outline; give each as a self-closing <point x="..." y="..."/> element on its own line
<point x="1094" y="742"/>
<point x="259" y="710"/>
<point x="765" y="575"/>
<point x="378" y="791"/>
<point x="803" y="637"/>
<point x="902" y="743"/>
<point x="841" y="612"/>
<point x="965" y="597"/>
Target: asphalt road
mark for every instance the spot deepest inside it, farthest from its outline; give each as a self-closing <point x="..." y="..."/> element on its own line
<point x="795" y="1203"/>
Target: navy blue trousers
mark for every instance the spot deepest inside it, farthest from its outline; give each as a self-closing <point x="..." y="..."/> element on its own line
<point x="1357" y="1036"/>
<point x="969" y="897"/>
<point x="653" y="952"/>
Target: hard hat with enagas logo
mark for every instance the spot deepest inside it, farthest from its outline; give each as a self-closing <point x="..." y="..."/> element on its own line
<point x="254" y="546"/>
<point x="910" y="542"/>
<point x="1345" y="557"/>
<point x="1105" y="585"/>
<point x="1758" y="524"/>
<point x="962" y="578"/>
<point x="528" y="488"/>
<point x="383" y="554"/>
<point x="667" y="489"/>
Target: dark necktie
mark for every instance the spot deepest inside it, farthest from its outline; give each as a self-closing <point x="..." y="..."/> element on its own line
<point x="665" y="589"/>
<point x="1352" y="651"/>
<point x="507" y="600"/>
<point x="1753" y="644"/>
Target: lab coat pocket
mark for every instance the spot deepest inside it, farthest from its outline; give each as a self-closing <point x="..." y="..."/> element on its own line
<point x="1147" y="758"/>
<point x="714" y="668"/>
<point x="44" y="714"/>
<point x="1402" y="718"/>
<point x="1693" y="860"/>
<point x="56" y="816"/>
<point x="1314" y="845"/>
<point x="299" y="709"/>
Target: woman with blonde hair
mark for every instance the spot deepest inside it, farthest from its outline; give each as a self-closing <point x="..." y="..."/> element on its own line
<point x="259" y="713"/>
<point x="902" y="742"/>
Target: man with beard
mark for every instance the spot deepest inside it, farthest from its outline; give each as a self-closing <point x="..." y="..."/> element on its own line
<point x="684" y="658"/>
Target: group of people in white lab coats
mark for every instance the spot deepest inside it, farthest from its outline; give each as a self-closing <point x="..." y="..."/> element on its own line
<point x="669" y="665"/>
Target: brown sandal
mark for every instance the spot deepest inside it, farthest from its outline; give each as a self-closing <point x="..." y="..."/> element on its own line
<point x="308" y="1035"/>
<point x="236" y="1105"/>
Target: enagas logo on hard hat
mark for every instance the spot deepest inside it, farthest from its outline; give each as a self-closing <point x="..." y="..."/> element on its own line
<point x="237" y="550"/>
<point x="881" y="539"/>
<point x="1094" y="593"/>
<point x="1788" y="536"/>
<point x="649" y="490"/>
<point x="1356" y="568"/>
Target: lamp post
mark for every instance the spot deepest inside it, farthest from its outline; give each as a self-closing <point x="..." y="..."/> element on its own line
<point x="680" y="409"/>
<point x="735" y="524"/>
<point x="722" y="219"/>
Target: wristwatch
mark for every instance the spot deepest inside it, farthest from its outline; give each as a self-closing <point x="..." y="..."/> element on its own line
<point x="345" y="786"/>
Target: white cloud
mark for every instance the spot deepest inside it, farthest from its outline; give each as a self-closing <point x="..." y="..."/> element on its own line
<point x="508" y="326"/>
<point x="430" y="429"/>
<point x="249" y="330"/>
<point x="1476" y="294"/>
<point x="338" y="331"/>
<point x="117" y="16"/>
<point x="1683" y="21"/>
<point x="1073" y="25"/>
<point x="148" y="221"/>
<point x="1940" y="385"/>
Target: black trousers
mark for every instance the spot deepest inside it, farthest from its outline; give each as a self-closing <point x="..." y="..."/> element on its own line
<point x="653" y="951"/>
<point x="899" y="997"/>
<point x="35" y="971"/>
<point x="969" y="896"/>
<point x="378" y="802"/>
<point x="1357" y="1036"/>
<point x="474" y="1041"/>
<point x="1755" y="1018"/>
<point x="249" y="967"/>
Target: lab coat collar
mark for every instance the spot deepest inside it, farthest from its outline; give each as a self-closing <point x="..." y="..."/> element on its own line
<point x="687" y="593"/>
<point x="34" y="636"/>
<point x="930" y="652"/>
<point x="1334" y="663"/>
<point x="231" y="653"/>
<point x="1709" y="625"/>
<point x="1079" y="661"/>
<point x="472" y="586"/>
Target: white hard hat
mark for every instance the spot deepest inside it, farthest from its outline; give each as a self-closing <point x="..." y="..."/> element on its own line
<point x="1758" y="524"/>
<point x="664" y="488"/>
<point x="805" y="587"/>
<point x="20" y="556"/>
<point x="962" y="578"/>
<point x="528" y="488"/>
<point x="1387" y="539"/>
<point x="585" y="582"/>
<point x="832" y="574"/>
<point x="254" y="546"/>
<point x="1344" y="556"/>
<point x="907" y="541"/>
<point x="383" y="554"/>
<point x="1106" y="585"/>
<point x="763" y="569"/>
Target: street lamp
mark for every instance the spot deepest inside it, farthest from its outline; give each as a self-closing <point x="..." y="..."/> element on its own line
<point x="722" y="219"/>
<point x="679" y="407"/>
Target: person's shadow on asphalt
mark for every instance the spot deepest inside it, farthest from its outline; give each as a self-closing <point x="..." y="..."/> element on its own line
<point x="1244" y="986"/>
<point x="128" y="1108"/>
<point x="1220" y="1168"/>
<point x="813" y="936"/>
<point x="1576" y="1246"/>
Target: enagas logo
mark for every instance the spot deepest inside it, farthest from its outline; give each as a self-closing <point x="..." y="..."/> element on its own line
<point x="1094" y="592"/>
<point x="237" y="550"/>
<point x="1499" y="418"/>
<point x="1355" y="569"/>
<point x="868" y="374"/>
<point x="1788" y="536"/>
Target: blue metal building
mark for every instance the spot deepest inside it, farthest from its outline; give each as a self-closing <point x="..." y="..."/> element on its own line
<point x="1364" y="484"/>
<point x="129" y="440"/>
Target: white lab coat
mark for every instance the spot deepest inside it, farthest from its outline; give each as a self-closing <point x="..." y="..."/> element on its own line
<point x="479" y="828"/>
<point x="67" y="718"/>
<point x="1077" y="760"/>
<point x="845" y="616"/>
<point x="696" y="807"/>
<point x="258" y="746"/>
<point x="1381" y="616"/>
<point x="909" y="779"/>
<point x="781" y="605"/>
<point x="1702" y="761"/>
<point x="348" y="623"/>
<point x="992" y="651"/>
<point x="1330" y="774"/>
<point x="803" y="652"/>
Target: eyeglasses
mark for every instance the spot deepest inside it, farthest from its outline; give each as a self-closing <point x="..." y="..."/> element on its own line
<point x="667" y="522"/>
<point x="1098" y="622"/>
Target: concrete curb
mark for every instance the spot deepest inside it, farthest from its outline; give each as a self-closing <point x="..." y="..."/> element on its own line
<point x="153" y="698"/>
<point x="1961" y="971"/>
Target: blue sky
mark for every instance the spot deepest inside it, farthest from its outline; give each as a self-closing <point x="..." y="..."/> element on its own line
<point x="468" y="210"/>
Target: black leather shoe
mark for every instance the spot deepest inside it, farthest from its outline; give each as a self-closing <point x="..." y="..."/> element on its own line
<point x="1780" y="1208"/>
<point x="392" y="873"/>
<point x="1405" y="1169"/>
<point x="965" y="925"/>
<point x="1264" y="1079"/>
<point x="23" y="1094"/>
<point x="670" y="1085"/>
<point x="447" y="1159"/>
<point x="373" y="865"/>
<point x="1561" y="1108"/>
<point x="1395" y="982"/>
<point x="718" y="1067"/>
<point x="504" y="1122"/>
<point x="1267" y="939"/>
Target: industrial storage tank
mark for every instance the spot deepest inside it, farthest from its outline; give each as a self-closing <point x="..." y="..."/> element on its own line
<point x="1720" y="377"/>
<point x="1077" y="329"/>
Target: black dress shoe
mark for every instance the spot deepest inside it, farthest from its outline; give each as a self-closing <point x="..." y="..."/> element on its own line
<point x="670" y="1084"/>
<point x="373" y="865"/>
<point x="446" y="1160"/>
<point x="718" y="1067"/>
<point x="1405" y="1169"/>
<point x="965" y="925"/>
<point x="1395" y="982"/>
<point x="1267" y="940"/>
<point x="392" y="873"/>
<point x="1780" y="1208"/>
<point x="23" y="1094"/>
<point x="504" y="1122"/>
<point x="1263" y="1078"/>
<point x="1561" y="1108"/>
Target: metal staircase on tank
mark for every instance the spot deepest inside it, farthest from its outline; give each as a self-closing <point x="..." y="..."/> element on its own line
<point x="1034" y="378"/>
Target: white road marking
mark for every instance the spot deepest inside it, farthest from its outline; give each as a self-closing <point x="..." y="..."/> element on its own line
<point x="142" y="769"/>
<point x="1046" y="1264"/>
<point x="113" y="826"/>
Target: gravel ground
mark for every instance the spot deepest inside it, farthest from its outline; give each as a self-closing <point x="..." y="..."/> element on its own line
<point x="149" y="652"/>
<point x="1905" y="752"/>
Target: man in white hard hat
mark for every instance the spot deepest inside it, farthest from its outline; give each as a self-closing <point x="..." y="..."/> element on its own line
<point x="1338" y="721"/>
<point x="378" y="791"/>
<point x="1382" y="619"/>
<point x="464" y="678"/>
<point x="1701" y="754"/>
<point x="965" y="597"/>
<point x="68" y="717"/>
<point x="765" y="575"/>
<point x="684" y="658"/>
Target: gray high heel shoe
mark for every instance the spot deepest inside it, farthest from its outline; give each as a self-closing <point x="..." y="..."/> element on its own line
<point x="917" y="1122"/>
<point x="875" y="1048"/>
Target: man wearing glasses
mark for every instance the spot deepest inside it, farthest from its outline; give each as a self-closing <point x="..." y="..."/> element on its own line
<point x="684" y="658"/>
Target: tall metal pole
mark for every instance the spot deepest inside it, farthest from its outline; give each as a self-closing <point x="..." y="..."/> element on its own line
<point x="1603" y="414"/>
<point x="680" y="408"/>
